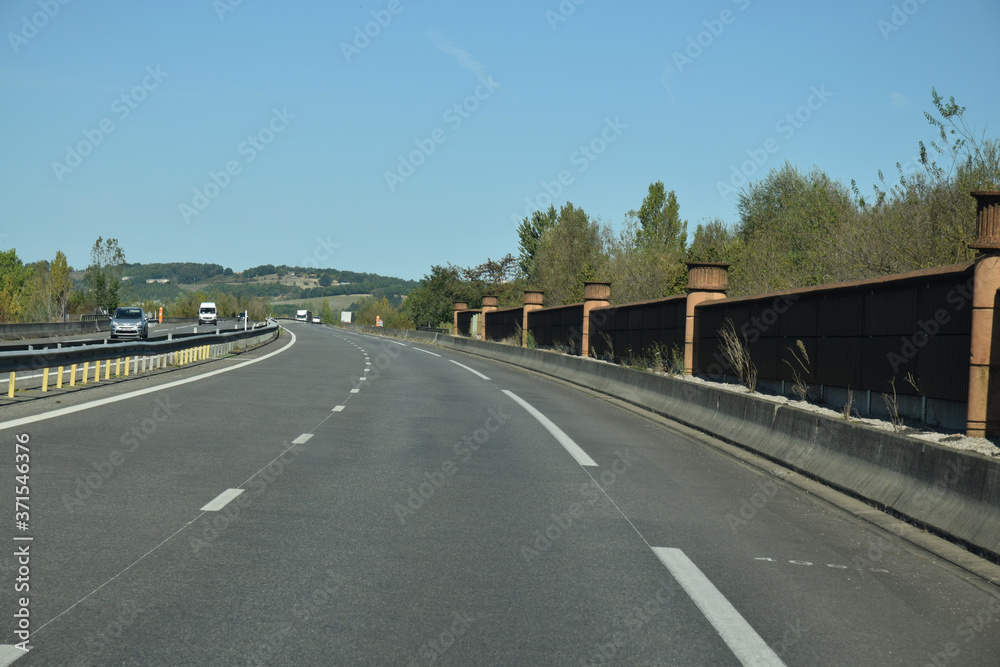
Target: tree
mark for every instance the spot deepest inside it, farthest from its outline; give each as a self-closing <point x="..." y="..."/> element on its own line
<point x="660" y="224"/>
<point x="713" y="241"/>
<point x="569" y="253"/>
<point x="104" y="273"/>
<point x="432" y="303"/>
<point x="325" y="280"/>
<point x="326" y="313"/>
<point x="792" y="230"/>
<point x="14" y="281"/>
<point x="60" y="285"/>
<point x="529" y="233"/>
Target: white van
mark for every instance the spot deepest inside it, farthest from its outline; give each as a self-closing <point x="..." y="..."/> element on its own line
<point x="207" y="313"/>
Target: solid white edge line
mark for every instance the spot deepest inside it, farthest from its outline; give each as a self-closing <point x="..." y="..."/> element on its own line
<point x="743" y="640"/>
<point x="302" y="439"/>
<point x="567" y="442"/>
<point x="221" y="500"/>
<point x="426" y="352"/>
<point x="9" y="653"/>
<point x="14" y="423"/>
<point x="471" y="370"/>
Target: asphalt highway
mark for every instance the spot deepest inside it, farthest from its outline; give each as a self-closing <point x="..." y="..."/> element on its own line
<point x="335" y="498"/>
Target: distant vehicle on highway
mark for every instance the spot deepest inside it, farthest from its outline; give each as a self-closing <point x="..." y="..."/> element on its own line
<point x="316" y="320"/>
<point x="241" y="316"/>
<point x="208" y="313"/>
<point x="303" y="316"/>
<point x="129" y="322"/>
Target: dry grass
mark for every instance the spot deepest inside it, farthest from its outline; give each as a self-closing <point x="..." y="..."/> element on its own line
<point x="737" y="353"/>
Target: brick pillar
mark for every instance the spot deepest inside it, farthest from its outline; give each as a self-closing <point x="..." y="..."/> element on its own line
<point x="595" y="295"/>
<point x="984" y="371"/>
<point x="707" y="281"/>
<point x="459" y="307"/>
<point x="489" y="304"/>
<point x="532" y="302"/>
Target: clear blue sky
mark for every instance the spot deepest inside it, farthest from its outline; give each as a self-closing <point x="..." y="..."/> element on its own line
<point x="308" y="127"/>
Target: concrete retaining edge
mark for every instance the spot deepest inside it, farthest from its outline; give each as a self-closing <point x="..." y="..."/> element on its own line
<point x="953" y="493"/>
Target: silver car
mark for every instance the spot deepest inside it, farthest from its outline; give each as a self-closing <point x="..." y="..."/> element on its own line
<point x="129" y="322"/>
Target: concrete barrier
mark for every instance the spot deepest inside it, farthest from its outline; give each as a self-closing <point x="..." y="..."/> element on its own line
<point x="953" y="493"/>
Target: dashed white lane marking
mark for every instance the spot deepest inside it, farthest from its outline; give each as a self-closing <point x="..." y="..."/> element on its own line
<point x="398" y="343"/>
<point x="806" y="563"/>
<point x="427" y="352"/>
<point x="354" y="391"/>
<point x="302" y="439"/>
<point x="9" y="653"/>
<point x="338" y="408"/>
<point x="362" y="378"/>
<point x="471" y="370"/>
<point x="574" y="449"/>
<point x="742" y="639"/>
<point x="221" y="500"/>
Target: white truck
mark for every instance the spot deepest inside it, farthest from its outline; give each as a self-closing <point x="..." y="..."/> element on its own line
<point x="303" y="316"/>
<point x="208" y="313"/>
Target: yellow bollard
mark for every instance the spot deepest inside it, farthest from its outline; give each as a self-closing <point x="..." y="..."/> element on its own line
<point x="45" y="380"/>
<point x="126" y="366"/>
<point x="118" y="367"/>
<point x="107" y="369"/>
<point x="97" y="371"/>
<point x="72" y="375"/>
<point x="10" y="385"/>
<point x="86" y="371"/>
<point x="59" y="378"/>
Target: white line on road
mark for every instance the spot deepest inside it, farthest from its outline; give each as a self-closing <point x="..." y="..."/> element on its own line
<point x="302" y="439"/>
<point x="354" y="391"/>
<point x="427" y="352"/>
<point x="338" y="408"/>
<point x="471" y="370"/>
<point x="9" y="653"/>
<point x="742" y="639"/>
<point x="567" y="442"/>
<point x="221" y="500"/>
<point x="398" y="343"/>
<point x="14" y="423"/>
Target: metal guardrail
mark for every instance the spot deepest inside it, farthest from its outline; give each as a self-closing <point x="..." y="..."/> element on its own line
<point x="65" y="354"/>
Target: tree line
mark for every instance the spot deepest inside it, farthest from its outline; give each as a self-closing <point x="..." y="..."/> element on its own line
<point x="796" y="228"/>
